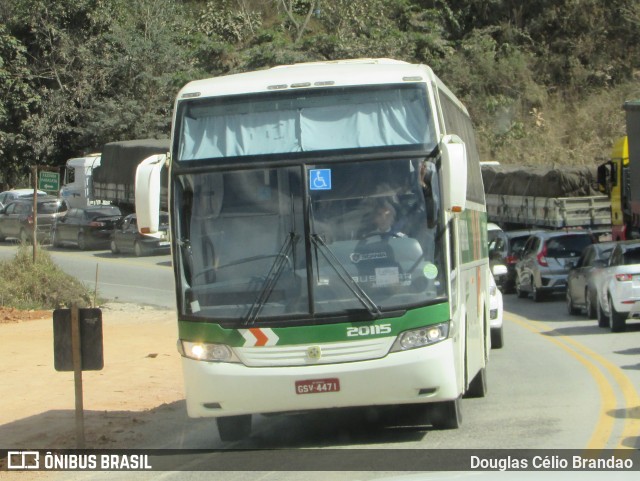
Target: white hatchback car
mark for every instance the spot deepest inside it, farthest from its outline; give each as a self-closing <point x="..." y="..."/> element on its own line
<point x="496" y="310"/>
<point x="619" y="288"/>
<point x="15" y="194"/>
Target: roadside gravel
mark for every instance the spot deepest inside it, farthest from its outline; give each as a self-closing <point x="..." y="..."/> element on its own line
<point x="130" y="403"/>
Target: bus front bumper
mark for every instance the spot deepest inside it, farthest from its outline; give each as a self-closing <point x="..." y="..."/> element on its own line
<point x="426" y="374"/>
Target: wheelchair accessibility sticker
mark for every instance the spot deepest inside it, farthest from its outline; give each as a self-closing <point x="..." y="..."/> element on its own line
<point x="320" y="179"/>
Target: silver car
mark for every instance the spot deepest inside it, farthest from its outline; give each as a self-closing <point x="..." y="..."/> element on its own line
<point x="619" y="290"/>
<point x="583" y="279"/>
<point x="545" y="262"/>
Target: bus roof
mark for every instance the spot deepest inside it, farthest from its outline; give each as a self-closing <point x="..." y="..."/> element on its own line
<point x="310" y="75"/>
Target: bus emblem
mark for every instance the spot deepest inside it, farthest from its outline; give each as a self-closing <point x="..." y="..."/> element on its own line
<point x="314" y="352"/>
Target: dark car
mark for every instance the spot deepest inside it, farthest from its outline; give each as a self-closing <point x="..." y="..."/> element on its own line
<point x="582" y="290"/>
<point x="126" y="238"/>
<point x="16" y="218"/>
<point x="505" y="249"/>
<point x="88" y="227"/>
<point x="545" y="262"/>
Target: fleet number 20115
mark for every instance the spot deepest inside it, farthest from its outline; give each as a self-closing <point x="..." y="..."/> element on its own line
<point x="369" y="330"/>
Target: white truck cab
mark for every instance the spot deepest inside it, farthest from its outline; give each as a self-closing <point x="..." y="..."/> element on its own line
<point x="76" y="186"/>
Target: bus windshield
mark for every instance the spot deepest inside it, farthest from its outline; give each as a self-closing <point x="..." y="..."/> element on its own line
<point x="318" y="119"/>
<point x="307" y="241"/>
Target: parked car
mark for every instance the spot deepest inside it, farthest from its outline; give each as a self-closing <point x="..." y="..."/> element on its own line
<point x="496" y="310"/>
<point x="505" y="249"/>
<point x="619" y="288"/>
<point x="544" y="264"/>
<point x="582" y="280"/>
<point x="16" y="194"/>
<point x="88" y="227"/>
<point x="16" y="218"/>
<point x="126" y="238"/>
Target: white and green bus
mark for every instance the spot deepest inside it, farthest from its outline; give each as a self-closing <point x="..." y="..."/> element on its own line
<point x="290" y="295"/>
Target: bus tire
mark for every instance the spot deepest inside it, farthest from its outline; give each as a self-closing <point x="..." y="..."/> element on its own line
<point x="446" y="414"/>
<point x="478" y="385"/>
<point x="234" y="428"/>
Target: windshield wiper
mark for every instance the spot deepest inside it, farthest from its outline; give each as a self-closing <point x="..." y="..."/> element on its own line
<point x="345" y="277"/>
<point x="282" y="257"/>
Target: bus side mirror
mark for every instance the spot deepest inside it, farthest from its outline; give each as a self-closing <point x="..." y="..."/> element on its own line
<point x="454" y="173"/>
<point x="147" y="193"/>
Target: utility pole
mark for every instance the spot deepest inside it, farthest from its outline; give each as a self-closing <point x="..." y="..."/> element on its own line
<point x="35" y="213"/>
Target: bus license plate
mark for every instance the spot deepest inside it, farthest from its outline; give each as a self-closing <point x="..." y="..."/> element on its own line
<point x="314" y="386"/>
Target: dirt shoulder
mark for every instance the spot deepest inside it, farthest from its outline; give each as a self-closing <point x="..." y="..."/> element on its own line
<point x="140" y="384"/>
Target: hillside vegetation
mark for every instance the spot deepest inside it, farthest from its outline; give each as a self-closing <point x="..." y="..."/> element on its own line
<point x="544" y="81"/>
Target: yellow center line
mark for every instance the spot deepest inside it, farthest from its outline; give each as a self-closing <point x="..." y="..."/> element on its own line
<point x="632" y="400"/>
<point x="604" y="426"/>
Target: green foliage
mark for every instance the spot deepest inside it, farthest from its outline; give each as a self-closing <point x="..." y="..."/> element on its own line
<point x="19" y="101"/>
<point x="39" y="285"/>
<point x="227" y="21"/>
<point x="75" y="74"/>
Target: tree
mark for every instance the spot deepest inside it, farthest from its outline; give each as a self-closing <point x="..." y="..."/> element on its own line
<point x="19" y="100"/>
<point x="59" y="39"/>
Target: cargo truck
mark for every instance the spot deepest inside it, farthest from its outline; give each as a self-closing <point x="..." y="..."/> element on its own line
<point x="109" y="177"/>
<point x="529" y="197"/>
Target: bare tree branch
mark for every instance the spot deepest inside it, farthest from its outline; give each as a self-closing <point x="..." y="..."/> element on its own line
<point x="289" y="11"/>
<point x="312" y="7"/>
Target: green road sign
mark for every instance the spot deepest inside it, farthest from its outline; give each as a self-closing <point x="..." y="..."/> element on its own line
<point x="49" y="181"/>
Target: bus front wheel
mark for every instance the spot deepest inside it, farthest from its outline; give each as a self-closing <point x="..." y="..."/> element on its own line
<point x="234" y="428"/>
<point x="446" y="415"/>
<point x="478" y="385"/>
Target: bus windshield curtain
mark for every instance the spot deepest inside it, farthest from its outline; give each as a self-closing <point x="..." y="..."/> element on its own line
<point x="221" y="134"/>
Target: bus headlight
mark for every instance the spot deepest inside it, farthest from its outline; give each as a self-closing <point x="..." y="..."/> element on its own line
<point x="203" y="351"/>
<point x="420" y="337"/>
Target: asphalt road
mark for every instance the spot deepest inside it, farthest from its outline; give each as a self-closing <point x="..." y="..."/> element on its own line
<point x="122" y="278"/>
<point x="560" y="382"/>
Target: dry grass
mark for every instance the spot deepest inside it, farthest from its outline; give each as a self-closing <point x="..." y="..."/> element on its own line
<point x="39" y="285"/>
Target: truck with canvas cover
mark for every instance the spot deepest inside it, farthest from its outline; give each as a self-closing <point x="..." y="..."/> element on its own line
<point x="109" y="177"/>
<point x="114" y="179"/>
<point x="557" y="197"/>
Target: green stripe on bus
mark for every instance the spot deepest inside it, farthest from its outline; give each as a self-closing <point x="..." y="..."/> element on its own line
<point x="214" y="333"/>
